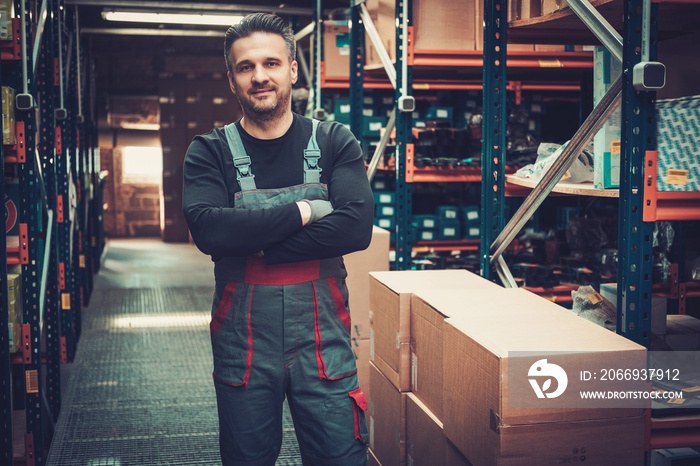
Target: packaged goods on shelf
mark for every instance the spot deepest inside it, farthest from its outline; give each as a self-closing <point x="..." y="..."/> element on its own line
<point x="659" y="307"/>
<point x="438" y="25"/>
<point x="425" y="221"/>
<point x="336" y="48"/>
<point x="550" y="6"/>
<point x="14" y="306"/>
<point x="606" y="143"/>
<point x="492" y="338"/>
<point x="384" y="210"/>
<point x="675" y="456"/>
<point x="449" y="229"/>
<point x="523" y="9"/>
<point x="8" y="115"/>
<point x="6" y="32"/>
<point x="682" y="333"/>
<point x="678" y="139"/>
<point x="387" y="223"/>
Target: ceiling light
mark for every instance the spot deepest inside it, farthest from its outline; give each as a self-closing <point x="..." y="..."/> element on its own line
<point x="171" y="18"/>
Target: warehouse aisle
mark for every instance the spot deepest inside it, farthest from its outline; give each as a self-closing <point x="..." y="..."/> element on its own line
<point x="140" y="390"/>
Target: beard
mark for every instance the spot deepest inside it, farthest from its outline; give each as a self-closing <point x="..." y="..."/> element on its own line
<point x="268" y="109"/>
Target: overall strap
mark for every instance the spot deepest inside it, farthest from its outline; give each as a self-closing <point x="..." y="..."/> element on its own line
<point x="312" y="172"/>
<point x="241" y="161"/>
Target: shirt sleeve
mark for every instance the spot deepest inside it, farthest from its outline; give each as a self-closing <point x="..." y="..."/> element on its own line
<point x="218" y="229"/>
<point x="349" y="227"/>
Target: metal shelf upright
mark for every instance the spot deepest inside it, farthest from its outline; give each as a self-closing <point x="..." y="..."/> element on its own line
<point x="638" y="127"/>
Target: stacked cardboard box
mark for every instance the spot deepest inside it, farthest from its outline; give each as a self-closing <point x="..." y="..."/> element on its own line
<point x="501" y="331"/>
<point x="439" y="25"/>
<point x="359" y="265"/>
<point x="397" y="338"/>
<point x="442" y="343"/>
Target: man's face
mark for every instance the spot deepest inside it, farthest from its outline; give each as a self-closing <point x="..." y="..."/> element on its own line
<point x="262" y="75"/>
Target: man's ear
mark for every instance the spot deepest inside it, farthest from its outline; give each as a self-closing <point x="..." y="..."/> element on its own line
<point x="295" y="71"/>
<point x="230" y="82"/>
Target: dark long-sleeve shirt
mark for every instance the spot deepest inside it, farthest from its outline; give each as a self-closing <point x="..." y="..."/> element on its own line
<point x="221" y="231"/>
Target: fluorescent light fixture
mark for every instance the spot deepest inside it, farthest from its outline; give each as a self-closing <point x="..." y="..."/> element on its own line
<point x="172" y="18"/>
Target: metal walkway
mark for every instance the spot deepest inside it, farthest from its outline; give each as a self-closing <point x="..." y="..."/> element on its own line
<point x="140" y="390"/>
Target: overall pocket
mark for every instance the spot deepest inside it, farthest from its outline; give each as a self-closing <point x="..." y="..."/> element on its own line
<point x="232" y="334"/>
<point x="334" y="353"/>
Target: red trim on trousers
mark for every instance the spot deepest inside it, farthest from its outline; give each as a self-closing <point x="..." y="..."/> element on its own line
<point x="340" y="308"/>
<point x="322" y="374"/>
<point x="223" y="308"/>
<point x="359" y="402"/>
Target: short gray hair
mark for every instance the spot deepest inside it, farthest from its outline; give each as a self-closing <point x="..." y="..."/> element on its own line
<point x="260" y="22"/>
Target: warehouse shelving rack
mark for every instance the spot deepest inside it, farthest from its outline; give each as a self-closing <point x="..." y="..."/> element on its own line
<point x="401" y="77"/>
<point x="56" y="150"/>
<point x="640" y="202"/>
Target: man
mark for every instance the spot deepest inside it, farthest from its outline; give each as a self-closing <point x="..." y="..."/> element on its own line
<point x="276" y="200"/>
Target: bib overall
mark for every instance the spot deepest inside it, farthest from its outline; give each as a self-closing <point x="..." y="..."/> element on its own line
<point x="284" y="330"/>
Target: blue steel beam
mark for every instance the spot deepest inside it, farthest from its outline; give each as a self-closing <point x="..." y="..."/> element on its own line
<point x="493" y="135"/>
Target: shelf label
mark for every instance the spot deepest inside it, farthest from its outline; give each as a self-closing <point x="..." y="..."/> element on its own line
<point x="677" y="176"/>
<point x="615" y="147"/>
<point x="595" y="298"/>
<point x="550" y="63"/>
<point x="32" y="381"/>
<point x="81" y="260"/>
<point x="65" y="301"/>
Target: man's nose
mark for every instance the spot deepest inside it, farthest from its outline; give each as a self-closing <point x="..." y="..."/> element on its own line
<point x="259" y="74"/>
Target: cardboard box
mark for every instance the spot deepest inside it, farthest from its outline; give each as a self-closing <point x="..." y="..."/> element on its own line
<point x="678" y="137"/>
<point x="387" y="420"/>
<point x="550" y="6"/>
<point x="359" y="264"/>
<point x="427" y="334"/>
<point x="484" y="419"/>
<point x="361" y="349"/>
<point x="426" y="443"/>
<point x="8" y="116"/>
<point x="390" y="314"/>
<point x="606" y="142"/>
<point x="437" y="25"/>
<point x="523" y="9"/>
<point x="336" y="48"/>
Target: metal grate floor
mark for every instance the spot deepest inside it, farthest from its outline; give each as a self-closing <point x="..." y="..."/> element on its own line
<point x="140" y="390"/>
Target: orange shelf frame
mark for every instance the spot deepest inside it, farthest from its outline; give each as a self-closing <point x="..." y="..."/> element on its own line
<point x="666" y="205"/>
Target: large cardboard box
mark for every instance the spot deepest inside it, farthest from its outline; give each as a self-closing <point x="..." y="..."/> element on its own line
<point x="606" y="142"/>
<point x="359" y="265"/>
<point x="427" y="333"/>
<point x="336" y="48"/>
<point x="390" y="315"/>
<point x="505" y="331"/>
<point x="426" y="443"/>
<point x="361" y="349"/>
<point x="437" y="25"/>
<point x="387" y="420"/>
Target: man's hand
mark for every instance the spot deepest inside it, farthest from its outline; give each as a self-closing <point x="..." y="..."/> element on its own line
<point x="312" y="210"/>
